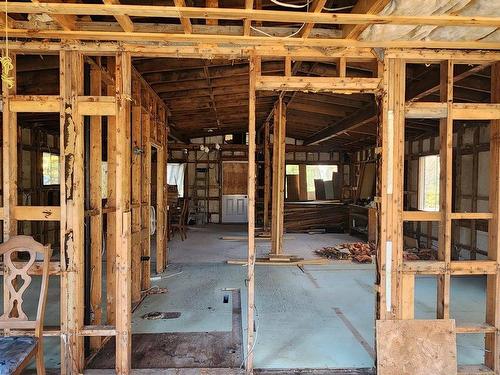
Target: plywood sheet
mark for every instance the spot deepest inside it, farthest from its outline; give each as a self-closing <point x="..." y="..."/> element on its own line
<point x="234" y="178"/>
<point x="416" y="347"/>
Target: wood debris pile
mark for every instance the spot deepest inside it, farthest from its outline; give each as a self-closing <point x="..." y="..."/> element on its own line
<point x="359" y="252"/>
<point x="419" y="254"/>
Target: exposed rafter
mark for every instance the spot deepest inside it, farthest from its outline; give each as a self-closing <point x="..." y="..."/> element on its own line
<point x="185" y="21"/>
<point x="367" y="7"/>
<point x="247" y="23"/>
<point x="66" y="22"/>
<point x="124" y="21"/>
<point x="316" y="7"/>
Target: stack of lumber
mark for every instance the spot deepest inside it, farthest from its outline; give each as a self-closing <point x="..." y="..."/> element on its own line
<point x="310" y="216"/>
<point x="359" y="252"/>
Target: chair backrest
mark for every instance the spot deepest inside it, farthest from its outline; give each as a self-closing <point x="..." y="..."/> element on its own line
<point x="14" y="317"/>
<point x="185" y="211"/>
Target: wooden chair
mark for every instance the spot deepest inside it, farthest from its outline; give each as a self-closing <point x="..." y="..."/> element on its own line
<point x="17" y="351"/>
<point x="181" y="224"/>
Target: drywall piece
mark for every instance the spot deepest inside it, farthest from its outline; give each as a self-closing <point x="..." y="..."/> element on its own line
<point x="416" y="347"/>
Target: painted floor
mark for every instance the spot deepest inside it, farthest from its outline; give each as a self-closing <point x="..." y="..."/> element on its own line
<point x="322" y="317"/>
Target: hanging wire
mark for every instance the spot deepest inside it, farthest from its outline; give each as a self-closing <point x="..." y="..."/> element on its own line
<point x="6" y="61"/>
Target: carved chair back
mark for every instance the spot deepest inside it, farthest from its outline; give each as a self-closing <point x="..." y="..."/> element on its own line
<point x="17" y="280"/>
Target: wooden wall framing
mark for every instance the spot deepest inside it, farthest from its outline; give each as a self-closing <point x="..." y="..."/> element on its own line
<point x="395" y="287"/>
<point x="396" y="279"/>
<point x="115" y="79"/>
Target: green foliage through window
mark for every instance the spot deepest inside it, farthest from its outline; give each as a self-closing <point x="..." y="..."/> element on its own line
<point x="50" y="168"/>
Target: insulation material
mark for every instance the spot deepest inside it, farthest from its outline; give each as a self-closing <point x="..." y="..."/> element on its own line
<point x="435" y="7"/>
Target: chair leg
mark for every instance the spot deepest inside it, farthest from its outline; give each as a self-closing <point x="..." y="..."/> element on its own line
<point x="40" y="365"/>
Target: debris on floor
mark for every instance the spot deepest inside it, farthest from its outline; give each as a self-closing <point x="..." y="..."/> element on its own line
<point x="419" y="254"/>
<point x="156" y="315"/>
<point x="359" y="252"/>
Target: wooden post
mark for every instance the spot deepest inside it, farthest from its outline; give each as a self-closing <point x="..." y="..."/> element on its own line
<point x="303" y="181"/>
<point x="278" y="178"/>
<point x="391" y="190"/>
<point x="72" y="213"/>
<point x="254" y="69"/>
<point x="493" y="281"/>
<point x="123" y="214"/>
<point x="146" y="195"/>
<point x="161" y="194"/>
<point x="96" y="208"/>
<point x="111" y="204"/>
<point x="445" y="192"/>
<point x="9" y="155"/>
<point x="136" y="190"/>
<point x="267" y="175"/>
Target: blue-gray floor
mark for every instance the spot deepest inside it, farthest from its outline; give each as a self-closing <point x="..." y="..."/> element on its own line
<point x="322" y="317"/>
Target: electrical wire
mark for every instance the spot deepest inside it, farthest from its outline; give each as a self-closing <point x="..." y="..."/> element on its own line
<point x="337" y="9"/>
<point x="295" y="6"/>
<point x="5" y="60"/>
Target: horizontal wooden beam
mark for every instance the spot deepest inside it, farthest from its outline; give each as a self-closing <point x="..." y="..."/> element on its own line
<point x="250" y="14"/>
<point x="457" y="267"/>
<point x="35" y="103"/>
<point x="99" y="331"/>
<point x="421" y="216"/>
<point x="37" y="213"/>
<point x="318" y="84"/>
<point x="460" y="111"/>
<point x="97" y="105"/>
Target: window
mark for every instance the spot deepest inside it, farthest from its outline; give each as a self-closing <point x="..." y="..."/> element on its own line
<point x="50" y="168"/>
<point x="318" y="172"/>
<point x="292" y="169"/>
<point x="428" y="184"/>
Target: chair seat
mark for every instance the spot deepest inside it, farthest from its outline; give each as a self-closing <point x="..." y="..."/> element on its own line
<point x="13" y="352"/>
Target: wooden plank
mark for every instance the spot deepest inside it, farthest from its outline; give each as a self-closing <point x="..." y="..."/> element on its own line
<point x="421" y="110"/>
<point x="363" y="6"/>
<point x="316" y="7"/>
<point x="146" y="198"/>
<point x="35" y="103"/>
<point x="318" y="84"/>
<point x="161" y="196"/>
<point x="254" y="72"/>
<point x="66" y="22"/>
<point x="212" y="4"/>
<point x="123" y="215"/>
<point x="124" y="20"/>
<point x="428" y="346"/>
<point x="492" y="341"/>
<point x="421" y="216"/>
<point x="185" y="21"/>
<point x="408" y="296"/>
<point x="37" y="213"/>
<point x="72" y="213"/>
<point x="136" y="188"/>
<point x="445" y="186"/>
<point x="476" y="111"/>
<point x="267" y="175"/>
<point x="248" y="13"/>
<point x="97" y="331"/>
<point x="96" y="223"/>
<point x="111" y="204"/>
<point x="278" y="191"/>
<point x="97" y="105"/>
<point x="247" y="22"/>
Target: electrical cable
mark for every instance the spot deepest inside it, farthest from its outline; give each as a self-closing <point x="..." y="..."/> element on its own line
<point x="5" y="60"/>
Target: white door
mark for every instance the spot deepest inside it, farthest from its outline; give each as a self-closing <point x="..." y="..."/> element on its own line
<point x="234" y="208"/>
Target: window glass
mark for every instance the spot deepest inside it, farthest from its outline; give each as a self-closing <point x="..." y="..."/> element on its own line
<point x="50" y="168"/>
<point x="428" y="187"/>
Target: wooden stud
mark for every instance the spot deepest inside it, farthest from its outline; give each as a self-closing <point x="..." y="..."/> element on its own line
<point x="267" y="175"/>
<point x="146" y="197"/>
<point x="492" y="341"/>
<point x="254" y="70"/>
<point x="136" y="189"/>
<point x="123" y="215"/>
<point x="96" y="243"/>
<point x="445" y="189"/>
<point x="72" y="213"/>
<point x="111" y="204"/>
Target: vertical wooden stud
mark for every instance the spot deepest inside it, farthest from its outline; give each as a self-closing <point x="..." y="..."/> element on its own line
<point x="123" y="214"/>
<point x="136" y="189"/>
<point x="267" y="175"/>
<point x="146" y="195"/>
<point x="96" y="208"/>
<point x="72" y="213"/>
<point x="254" y="69"/>
<point x="492" y="356"/>
<point x="445" y="189"/>
<point x="111" y="204"/>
